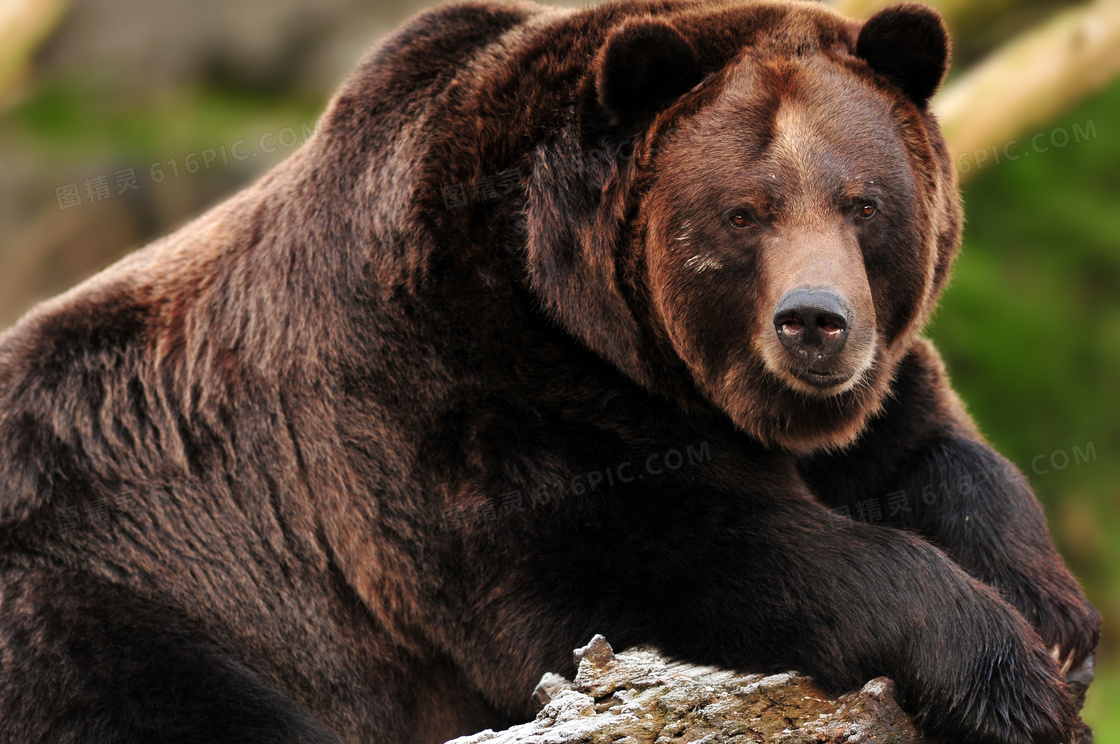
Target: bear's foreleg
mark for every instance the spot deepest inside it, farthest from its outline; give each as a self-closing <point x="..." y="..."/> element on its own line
<point x="781" y="585"/>
<point x="923" y="465"/>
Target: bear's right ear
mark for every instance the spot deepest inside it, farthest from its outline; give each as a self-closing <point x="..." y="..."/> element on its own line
<point x="908" y="44"/>
<point x="644" y="65"/>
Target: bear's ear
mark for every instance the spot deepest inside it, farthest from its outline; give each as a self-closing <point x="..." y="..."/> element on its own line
<point x="908" y="44"/>
<point x="644" y="65"/>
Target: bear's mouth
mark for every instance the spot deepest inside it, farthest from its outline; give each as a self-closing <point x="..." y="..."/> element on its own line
<point x="821" y="380"/>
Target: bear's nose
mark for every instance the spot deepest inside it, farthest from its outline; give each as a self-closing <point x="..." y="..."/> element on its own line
<point x="813" y="324"/>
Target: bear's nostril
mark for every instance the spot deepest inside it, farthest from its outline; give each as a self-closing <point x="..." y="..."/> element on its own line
<point x="813" y="320"/>
<point x="792" y="326"/>
<point x="829" y="325"/>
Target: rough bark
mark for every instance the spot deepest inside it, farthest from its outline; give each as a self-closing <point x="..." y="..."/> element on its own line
<point x="638" y="697"/>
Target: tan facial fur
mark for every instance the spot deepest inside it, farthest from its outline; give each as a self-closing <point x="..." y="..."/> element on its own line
<point x="802" y="147"/>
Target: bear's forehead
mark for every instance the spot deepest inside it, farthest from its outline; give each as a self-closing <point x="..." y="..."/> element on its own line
<point x="795" y="119"/>
<point x="808" y="96"/>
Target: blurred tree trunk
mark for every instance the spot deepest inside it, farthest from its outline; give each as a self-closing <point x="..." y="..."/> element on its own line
<point x="1024" y="82"/>
<point x="1032" y="80"/>
<point x="24" y="25"/>
<point x="972" y="22"/>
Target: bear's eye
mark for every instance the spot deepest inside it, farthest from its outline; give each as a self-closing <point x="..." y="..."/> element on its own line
<point x="740" y="220"/>
<point x="866" y="211"/>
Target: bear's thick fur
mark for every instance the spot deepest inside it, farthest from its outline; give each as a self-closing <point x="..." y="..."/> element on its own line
<point x="563" y="322"/>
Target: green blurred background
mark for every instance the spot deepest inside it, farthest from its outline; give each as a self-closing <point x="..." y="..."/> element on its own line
<point x="1029" y="327"/>
<point x="1030" y="331"/>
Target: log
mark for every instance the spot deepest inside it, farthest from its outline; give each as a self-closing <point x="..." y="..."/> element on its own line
<point x="640" y="697"/>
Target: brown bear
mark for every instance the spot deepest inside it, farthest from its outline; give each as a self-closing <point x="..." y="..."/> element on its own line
<point x="563" y="322"/>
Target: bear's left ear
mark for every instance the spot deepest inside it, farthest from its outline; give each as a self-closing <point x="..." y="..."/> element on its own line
<point x="644" y="65"/>
<point x="908" y="44"/>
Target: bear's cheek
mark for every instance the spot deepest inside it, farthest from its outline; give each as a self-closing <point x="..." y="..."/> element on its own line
<point x="899" y="270"/>
<point x="709" y="308"/>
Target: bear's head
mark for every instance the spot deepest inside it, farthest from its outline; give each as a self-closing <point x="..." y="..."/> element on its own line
<point x="794" y="209"/>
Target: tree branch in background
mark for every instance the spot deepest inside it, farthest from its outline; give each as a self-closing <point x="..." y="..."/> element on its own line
<point x="1033" y="79"/>
<point x="952" y="10"/>
<point x="972" y="23"/>
<point x="24" y="25"/>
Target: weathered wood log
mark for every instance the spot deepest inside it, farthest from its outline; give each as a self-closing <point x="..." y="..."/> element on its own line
<point x="639" y="697"/>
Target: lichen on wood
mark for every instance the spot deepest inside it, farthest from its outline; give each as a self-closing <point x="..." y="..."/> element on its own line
<point x="640" y="697"/>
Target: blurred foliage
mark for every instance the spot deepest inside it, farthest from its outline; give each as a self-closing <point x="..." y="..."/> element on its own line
<point x="1030" y="331"/>
<point x="64" y="120"/>
<point x="179" y="145"/>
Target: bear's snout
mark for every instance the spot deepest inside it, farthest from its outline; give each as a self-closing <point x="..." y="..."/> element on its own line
<point x="813" y="323"/>
<point x="819" y="301"/>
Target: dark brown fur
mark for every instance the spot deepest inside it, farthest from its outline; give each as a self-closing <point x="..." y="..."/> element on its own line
<point x="284" y="403"/>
